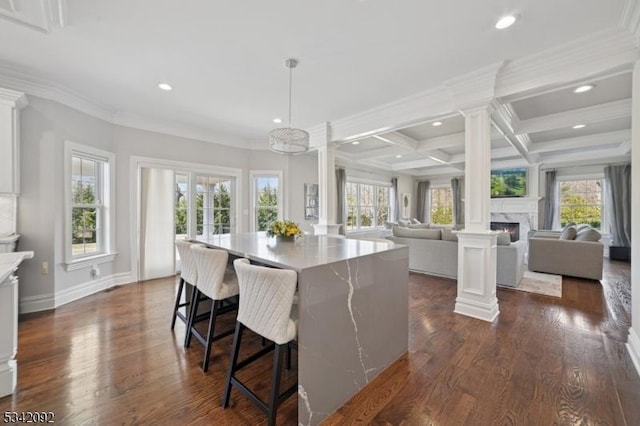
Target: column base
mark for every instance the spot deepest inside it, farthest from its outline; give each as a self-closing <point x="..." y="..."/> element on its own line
<point x="482" y="311"/>
<point x="8" y="377"/>
<point x="477" y="257"/>
<point x="326" y="229"/>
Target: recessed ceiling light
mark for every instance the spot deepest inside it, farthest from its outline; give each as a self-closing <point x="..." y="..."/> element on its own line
<point x="355" y="142"/>
<point x="436" y="123"/>
<point x="164" y="86"/>
<point x="579" y="126"/>
<point x="505" y="22"/>
<point x="277" y="120"/>
<point x="585" y="88"/>
<point x="399" y="156"/>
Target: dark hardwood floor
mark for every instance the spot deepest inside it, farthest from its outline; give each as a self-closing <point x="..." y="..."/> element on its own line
<point x="111" y="359"/>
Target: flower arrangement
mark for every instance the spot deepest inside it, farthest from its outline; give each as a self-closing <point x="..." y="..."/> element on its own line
<point x="283" y="228"/>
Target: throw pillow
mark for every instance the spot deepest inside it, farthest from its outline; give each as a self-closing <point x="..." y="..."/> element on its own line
<point x="569" y="233"/>
<point x="568" y="225"/>
<point x="504" y="239"/>
<point x="404" y="222"/>
<point x="430" y="234"/>
<point x="582" y="227"/>
<point x="588" y="234"/>
<point x="415" y="221"/>
<point x="389" y="225"/>
<point x="419" y="226"/>
<point x="449" y="235"/>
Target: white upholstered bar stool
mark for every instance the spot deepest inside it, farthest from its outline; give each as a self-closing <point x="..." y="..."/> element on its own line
<point x="188" y="275"/>
<point x="219" y="286"/>
<point x="266" y="301"/>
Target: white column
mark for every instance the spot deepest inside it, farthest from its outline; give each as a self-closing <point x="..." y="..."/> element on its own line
<point x="327" y="191"/>
<point x="477" y="245"/>
<point x="633" y="343"/>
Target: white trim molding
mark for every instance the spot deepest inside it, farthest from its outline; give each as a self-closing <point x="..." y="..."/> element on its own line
<point x="633" y="347"/>
<point x="253" y="174"/>
<point x="79" y="291"/>
<point x="40" y="302"/>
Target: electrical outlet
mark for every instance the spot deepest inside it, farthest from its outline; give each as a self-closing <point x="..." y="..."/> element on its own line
<point x="45" y="268"/>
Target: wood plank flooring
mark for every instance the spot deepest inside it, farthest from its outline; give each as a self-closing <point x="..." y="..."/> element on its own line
<point x="111" y="359"/>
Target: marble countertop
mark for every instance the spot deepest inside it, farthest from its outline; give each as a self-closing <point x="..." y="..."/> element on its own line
<point x="306" y="252"/>
<point x="9" y="262"/>
<point x="10" y="238"/>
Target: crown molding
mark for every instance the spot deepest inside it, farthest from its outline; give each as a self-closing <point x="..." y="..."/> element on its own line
<point x="12" y="98"/>
<point x="504" y="119"/>
<point x="22" y="80"/>
<point x="475" y="89"/>
<point x="630" y="18"/>
<point x="394" y="115"/>
<point x="592" y="114"/>
<point x="587" y="56"/>
<point x="179" y="130"/>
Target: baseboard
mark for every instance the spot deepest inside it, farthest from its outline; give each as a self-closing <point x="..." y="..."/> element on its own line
<point x="79" y="291"/>
<point x="633" y="347"/>
<point x="41" y="302"/>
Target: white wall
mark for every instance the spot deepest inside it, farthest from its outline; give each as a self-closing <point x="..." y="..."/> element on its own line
<point x="45" y="125"/>
<point x="302" y="169"/>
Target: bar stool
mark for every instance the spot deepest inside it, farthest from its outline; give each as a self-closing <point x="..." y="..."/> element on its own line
<point x="217" y="286"/>
<point x="188" y="275"/>
<point x="266" y="301"/>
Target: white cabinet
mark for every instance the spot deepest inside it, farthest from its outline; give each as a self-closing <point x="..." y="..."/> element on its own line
<point x="10" y="104"/>
<point x="9" y="319"/>
<point x="8" y="334"/>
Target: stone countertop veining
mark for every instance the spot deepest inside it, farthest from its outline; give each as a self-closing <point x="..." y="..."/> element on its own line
<point x="306" y="252"/>
<point x="9" y="262"/>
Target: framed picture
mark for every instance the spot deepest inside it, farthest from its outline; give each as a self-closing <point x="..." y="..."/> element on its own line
<point x="311" y="204"/>
<point x="405" y="205"/>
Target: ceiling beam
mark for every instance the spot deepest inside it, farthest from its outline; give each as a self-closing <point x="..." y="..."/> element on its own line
<point x="377" y="153"/>
<point x="399" y="140"/>
<point x="601" y="155"/>
<point x="504" y="119"/>
<point x="592" y="114"/>
<point x="415" y="164"/>
<point x="453" y="140"/>
<point x="587" y="141"/>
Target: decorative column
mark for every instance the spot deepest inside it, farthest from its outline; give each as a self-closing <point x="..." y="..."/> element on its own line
<point x="633" y="342"/>
<point x="477" y="246"/>
<point x="326" y="183"/>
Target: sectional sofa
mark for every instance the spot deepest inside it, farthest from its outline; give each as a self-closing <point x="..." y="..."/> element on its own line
<point x="435" y="252"/>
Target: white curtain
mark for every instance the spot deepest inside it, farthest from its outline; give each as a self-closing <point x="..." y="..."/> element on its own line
<point x="157" y="233"/>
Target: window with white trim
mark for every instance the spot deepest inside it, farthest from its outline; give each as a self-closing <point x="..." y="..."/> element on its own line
<point x="441" y="206"/>
<point x="580" y="201"/>
<point x="89" y="196"/>
<point x="267" y="205"/>
<point x="367" y="205"/>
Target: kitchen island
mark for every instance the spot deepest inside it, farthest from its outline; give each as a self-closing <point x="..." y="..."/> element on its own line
<point x="9" y="319"/>
<point x="353" y="310"/>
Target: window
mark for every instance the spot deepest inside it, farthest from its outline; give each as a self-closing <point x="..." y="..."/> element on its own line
<point x="367" y="205"/>
<point x="267" y="198"/>
<point x="441" y="206"/>
<point x="213" y="205"/>
<point x="182" y="205"/>
<point x="581" y="202"/>
<point x="90" y="230"/>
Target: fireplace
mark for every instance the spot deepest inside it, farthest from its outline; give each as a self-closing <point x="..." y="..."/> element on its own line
<point x="513" y="228"/>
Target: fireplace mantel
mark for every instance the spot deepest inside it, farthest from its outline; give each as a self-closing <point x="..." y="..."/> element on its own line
<point x="528" y="205"/>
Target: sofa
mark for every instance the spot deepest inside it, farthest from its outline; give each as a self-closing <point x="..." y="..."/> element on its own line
<point x="553" y="253"/>
<point x="438" y="255"/>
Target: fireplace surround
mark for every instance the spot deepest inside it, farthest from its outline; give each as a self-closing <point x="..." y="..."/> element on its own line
<point x="513" y="228"/>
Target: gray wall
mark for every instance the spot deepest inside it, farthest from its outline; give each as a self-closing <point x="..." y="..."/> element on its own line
<point x="45" y="125"/>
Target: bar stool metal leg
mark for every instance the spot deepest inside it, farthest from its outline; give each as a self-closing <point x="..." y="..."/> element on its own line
<point x="216" y="305"/>
<point x="235" y="351"/>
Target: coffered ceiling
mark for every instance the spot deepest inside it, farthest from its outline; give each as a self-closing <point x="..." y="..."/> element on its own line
<point x="225" y="61"/>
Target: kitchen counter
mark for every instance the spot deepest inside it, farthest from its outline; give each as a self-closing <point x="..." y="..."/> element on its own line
<point x="353" y="310"/>
<point x="9" y="262"/>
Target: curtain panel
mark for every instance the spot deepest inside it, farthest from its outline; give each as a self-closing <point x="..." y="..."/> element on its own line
<point x="457" y="192"/>
<point x="550" y="199"/>
<point x="618" y="203"/>
<point x="341" y="190"/>
<point x="422" y="201"/>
